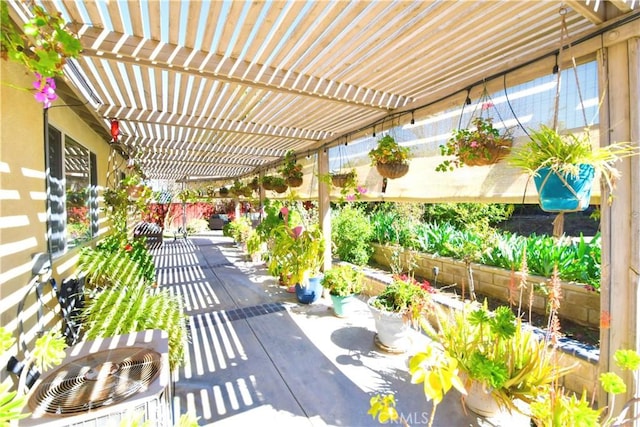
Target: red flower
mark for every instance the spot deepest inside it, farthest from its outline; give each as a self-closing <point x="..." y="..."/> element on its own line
<point x="128" y="248"/>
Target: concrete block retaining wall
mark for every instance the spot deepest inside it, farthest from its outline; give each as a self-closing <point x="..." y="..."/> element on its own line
<point x="577" y="304"/>
<point x="584" y="358"/>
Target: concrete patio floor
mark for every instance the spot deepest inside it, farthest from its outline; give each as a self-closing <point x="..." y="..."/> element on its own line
<point x="258" y="357"/>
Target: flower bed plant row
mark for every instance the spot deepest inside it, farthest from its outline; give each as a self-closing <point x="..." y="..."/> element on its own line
<point x="576" y="260"/>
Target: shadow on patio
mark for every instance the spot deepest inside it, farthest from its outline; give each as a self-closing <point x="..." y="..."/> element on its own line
<point x="256" y="356"/>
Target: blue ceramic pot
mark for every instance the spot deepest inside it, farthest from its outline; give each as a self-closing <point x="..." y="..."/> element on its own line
<point x="311" y="292"/>
<point x="564" y="193"/>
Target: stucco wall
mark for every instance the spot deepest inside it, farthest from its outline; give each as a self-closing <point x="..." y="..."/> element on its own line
<point x="23" y="191"/>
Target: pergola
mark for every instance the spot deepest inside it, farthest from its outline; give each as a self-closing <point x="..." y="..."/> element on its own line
<point x="219" y="89"/>
<point x="222" y="90"/>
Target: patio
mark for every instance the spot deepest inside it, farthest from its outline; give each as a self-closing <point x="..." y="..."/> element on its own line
<point x="199" y="96"/>
<point x="256" y="355"/>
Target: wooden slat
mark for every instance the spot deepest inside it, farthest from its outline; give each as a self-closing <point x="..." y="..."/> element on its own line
<point x="107" y="45"/>
<point x="269" y="85"/>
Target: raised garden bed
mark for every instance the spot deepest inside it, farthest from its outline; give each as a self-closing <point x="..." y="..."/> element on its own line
<point x="583" y="356"/>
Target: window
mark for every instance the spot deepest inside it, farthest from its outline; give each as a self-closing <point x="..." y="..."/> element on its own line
<point x="72" y="193"/>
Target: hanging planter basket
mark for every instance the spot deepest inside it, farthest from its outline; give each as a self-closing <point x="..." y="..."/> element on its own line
<point x="224" y="191"/>
<point x="280" y="188"/>
<point x="135" y="191"/>
<point x="294" y="181"/>
<point x="490" y="154"/>
<point x="392" y="170"/>
<point x="340" y="179"/>
<point x="559" y="192"/>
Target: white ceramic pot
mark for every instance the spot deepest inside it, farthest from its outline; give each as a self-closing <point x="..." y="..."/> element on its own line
<point x="393" y="333"/>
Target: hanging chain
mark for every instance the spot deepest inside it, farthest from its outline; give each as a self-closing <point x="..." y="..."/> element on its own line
<point x="563" y="32"/>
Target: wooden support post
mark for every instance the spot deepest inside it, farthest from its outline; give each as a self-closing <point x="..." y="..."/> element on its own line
<point x="620" y="285"/>
<point x="324" y="206"/>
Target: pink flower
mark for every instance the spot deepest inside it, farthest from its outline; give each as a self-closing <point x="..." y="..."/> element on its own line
<point x="45" y="90"/>
<point x="361" y="189"/>
<point x="487" y="105"/>
<point x="297" y="231"/>
<point x="474" y="144"/>
<point x="284" y="211"/>
<point x="351" y="197"/>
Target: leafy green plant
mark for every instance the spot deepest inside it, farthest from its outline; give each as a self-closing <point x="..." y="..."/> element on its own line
<point x="392" y="228"/>
<point x="576" y="260"/>
<point x="343" y="280"/>
<point x="291" y="168"/>
<point x="48" y="352"/>
<point x="564" y="154"/>
<point x="44" y="44"/>
<point x="239" y="229"/>
<point x="558" y="408"/>
<point x="482" y="144"/>
<point x="389" y="151"/>
<point x="197" y="225"/>
<point x="126" y="309"/>
<point x="383" y="408"/>
<point x="468" y="215"/>
<point x="351" y="234"/>
<point x="254" y="244"/>
<point x="121" y="206"/>
<point x="347" y="182"/>
<point x="297" y="249"/>
<point x="493" y="348"/>
<point x="405" y="295"/>
<point x="116" y="261"/>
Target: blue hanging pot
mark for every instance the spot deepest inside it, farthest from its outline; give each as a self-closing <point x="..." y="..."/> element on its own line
<point x="564" y="192"/>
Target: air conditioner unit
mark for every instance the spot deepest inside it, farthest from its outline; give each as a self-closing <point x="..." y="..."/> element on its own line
<point x="101" y="382"/>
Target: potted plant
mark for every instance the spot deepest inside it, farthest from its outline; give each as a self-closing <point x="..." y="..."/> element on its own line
<point x="297" y="254"/>
<point x="478" y="146"/>
<point x="343" y="283"/>
<point x="344" y="179"/>
<point x="558" y="408"/>
<point x="224" y="191"/>
<point x="236" y="188"/>
<point x="266" y="182"/>
<point x="497" y="359"/>
<point x="396" y="308"/>
<point x="390" y="158"/>
<point x="134" y="186"/>
<point x="279" y="184"/>
<point x="346" y="182"/>
<point x="564" y="166"/>
<point x="254" y="184"/>
<point x="291" y="171"/>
